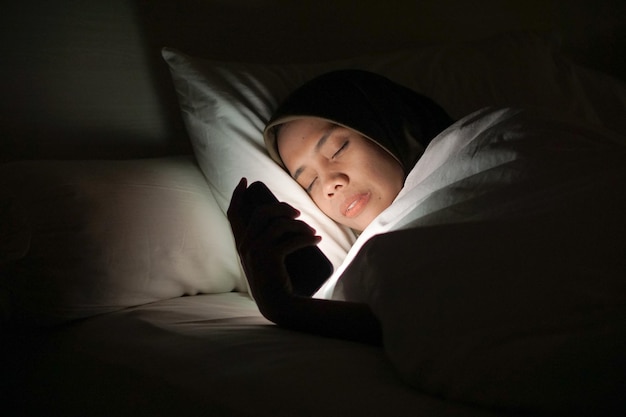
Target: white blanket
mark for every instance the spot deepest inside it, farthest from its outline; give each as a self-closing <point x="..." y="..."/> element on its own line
<point x="498" y="274"/>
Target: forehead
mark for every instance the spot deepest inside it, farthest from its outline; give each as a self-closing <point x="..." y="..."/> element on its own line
<point x="301" y="128"/>
<point x="298" y="135"/>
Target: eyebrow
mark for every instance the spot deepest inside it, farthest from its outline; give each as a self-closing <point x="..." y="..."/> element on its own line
<point x="320" y="143"/>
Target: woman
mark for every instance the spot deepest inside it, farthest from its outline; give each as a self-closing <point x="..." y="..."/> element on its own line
<point x="500" y="257"/>
<point x="349" y="138"/>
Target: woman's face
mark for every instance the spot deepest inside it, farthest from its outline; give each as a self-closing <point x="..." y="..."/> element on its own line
<point x="350" y="178"/>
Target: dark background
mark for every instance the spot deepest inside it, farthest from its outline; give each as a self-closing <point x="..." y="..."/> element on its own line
<point x="85" y="79"/>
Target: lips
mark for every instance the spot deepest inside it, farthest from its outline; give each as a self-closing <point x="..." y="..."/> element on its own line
<point x="354" y="205"/>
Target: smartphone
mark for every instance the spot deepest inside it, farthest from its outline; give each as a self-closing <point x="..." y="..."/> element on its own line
<point x="308" y="268"/>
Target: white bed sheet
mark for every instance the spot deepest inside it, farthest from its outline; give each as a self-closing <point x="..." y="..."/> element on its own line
<point x="213" y="355"/>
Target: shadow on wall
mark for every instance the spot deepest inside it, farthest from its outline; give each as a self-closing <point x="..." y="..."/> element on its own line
<point x="86" y="79"/>
<point x="275" y="31"/>
<point x="593" y="33"/>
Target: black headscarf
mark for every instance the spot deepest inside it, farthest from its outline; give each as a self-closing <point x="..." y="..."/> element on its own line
<point x="398" y="119"/>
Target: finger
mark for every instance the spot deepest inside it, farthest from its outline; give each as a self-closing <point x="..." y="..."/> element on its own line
<point x="233" y="213"/>
<point x="272" y="257"/>
<point x="296" y="242"/>
<point x="267" y="215"/>
<point x="275" y="210"/>
<point x="275" y="220"/>
<point x="237" y="199"/>
<point x="283" y="228"/>
<point x="274" y="235"/>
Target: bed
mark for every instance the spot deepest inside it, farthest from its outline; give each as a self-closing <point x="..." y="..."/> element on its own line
<point x="127" y="124"/>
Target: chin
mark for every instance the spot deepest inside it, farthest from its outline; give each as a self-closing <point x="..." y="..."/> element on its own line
<point x="362" y="224"/>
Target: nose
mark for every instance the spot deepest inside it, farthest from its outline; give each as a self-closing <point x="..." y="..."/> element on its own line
<point x="334" y="182"/>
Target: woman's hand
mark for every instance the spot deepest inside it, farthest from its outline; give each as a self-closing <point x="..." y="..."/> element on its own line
<point x="263" y="241"/>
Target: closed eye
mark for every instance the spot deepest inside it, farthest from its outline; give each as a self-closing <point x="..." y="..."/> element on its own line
<point x="341" y="149"/>
<point x="310" y="187"/>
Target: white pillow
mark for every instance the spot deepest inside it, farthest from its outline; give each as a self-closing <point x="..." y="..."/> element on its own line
<point x="88" y="237"/>
<point x="225" y="106"/>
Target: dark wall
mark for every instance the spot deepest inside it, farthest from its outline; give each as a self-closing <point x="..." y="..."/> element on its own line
<point x="85" y="78"/>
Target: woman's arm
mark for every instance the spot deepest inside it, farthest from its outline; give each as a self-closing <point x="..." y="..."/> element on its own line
<point x="263" y="242"/>
<point x="339" y="319"/>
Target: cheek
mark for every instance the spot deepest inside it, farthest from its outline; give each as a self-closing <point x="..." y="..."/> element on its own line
<point x="321" y="203"/>
<point x="381" y="163"/>
<point x="390" y="175"/>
